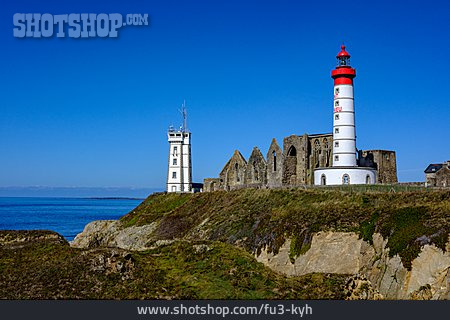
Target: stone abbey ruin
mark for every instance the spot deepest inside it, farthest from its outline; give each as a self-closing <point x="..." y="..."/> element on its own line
<point x="294" y="164"/>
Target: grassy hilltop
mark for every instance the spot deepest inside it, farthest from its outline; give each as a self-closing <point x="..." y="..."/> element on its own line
<point x="214" y="236"/>
<point x="258" y="218"/>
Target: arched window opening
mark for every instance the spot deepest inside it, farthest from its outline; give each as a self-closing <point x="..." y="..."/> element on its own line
<point x="316" y="153"/>
<point x="255" y="171"/>
<point x="326" y="146"/>
<point x="236" y="169"/>
<point x="323" y="180"/>
<point x="367" y="179"/>
<point x="292" y="152"/>
<point x="274" y="154"/>
<point x="290" y="166"/>
<point x="345" y="179"/>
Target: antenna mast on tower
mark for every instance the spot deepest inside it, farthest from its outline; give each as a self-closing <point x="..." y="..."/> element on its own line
<point x="184" y="115"/>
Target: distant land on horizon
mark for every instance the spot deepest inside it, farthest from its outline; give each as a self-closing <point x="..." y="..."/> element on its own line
<point x="79" y="192"/>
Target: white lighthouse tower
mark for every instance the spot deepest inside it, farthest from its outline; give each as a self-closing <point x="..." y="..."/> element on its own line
<point x="344" y="137"/>
<point x="345" y="169"/>
<point x="179" y="175"/>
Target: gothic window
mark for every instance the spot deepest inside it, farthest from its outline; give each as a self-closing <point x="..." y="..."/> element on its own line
<point x="174" y="161"/>
<point x="236" y="168"/>
<point x="274" y="154"/>
<point x="292" y="152"/>
<point x="323" y="180"/>
<point x="317" y="145"/>
<point x="345" y="179"/>
<point x="316" y="153"/>
<point x="255" y="171"/>
<point x="367" y="179"/>
<point x="174" y="175"/>
<point x="327" y="151"/>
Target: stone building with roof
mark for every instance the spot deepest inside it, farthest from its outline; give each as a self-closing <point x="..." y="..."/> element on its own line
<point x="437" y="175"/>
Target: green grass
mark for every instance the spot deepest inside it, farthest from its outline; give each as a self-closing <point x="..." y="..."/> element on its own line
<point x="266" y="218"/>
<point x="43" y="270"/>
<point x="233" y="225"/>
<point x="154" y="207"/>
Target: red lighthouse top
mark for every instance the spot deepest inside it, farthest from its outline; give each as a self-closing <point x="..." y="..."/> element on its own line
<point x="343" y="53"/>
<point x="344" y="73"/>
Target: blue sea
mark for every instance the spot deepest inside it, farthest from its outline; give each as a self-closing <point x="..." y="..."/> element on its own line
<point x="67" y="216"/>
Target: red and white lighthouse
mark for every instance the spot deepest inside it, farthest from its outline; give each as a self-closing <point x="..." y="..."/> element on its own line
<point x="344" y="137"/>
<point x="345" y="168"/>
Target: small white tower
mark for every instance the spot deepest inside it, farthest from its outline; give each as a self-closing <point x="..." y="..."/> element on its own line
<point x="179" y="175"/>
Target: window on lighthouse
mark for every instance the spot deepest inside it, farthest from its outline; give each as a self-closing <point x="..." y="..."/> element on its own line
<point x="175" y="161"/>
<point x="336" y="117"/>
<point x="323" y="180"/>
<point x="343" y="61"/>
<point x="336" y="130"/>
<point x="345" y="179"/>
<point x="174" y="175"/>
<point x="336" y="103"/>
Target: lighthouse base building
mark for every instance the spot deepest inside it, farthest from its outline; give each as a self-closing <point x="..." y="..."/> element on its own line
<point x="344" y="175"/>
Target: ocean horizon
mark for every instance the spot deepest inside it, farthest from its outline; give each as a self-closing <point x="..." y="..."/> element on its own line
<point x="65" y="215"/>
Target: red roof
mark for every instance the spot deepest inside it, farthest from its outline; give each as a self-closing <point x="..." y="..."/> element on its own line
<point x="343" y="53"/>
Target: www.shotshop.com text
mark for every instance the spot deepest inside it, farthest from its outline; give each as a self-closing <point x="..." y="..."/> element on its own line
<point x="263" y="309"/>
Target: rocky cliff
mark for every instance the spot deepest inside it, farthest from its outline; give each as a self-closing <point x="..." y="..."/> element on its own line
<point x="41" y="265"/>
<point x="390" y="245"/>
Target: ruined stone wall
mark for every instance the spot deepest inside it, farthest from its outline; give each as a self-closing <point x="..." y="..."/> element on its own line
<point x="232" y="175"/>
<point x="443" y="177"/>
<point x="256" y="170"/>
<point x="319" y="153"/>
<point x="294" y="160"/>
<point x="275" y="160"/>
<point x="211" y="184"/>
<point x="295" y="165"/>
<point x="384" y="161"/>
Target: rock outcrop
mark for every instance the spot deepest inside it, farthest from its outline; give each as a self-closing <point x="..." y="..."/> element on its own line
<point x="15" y="239"/>
<point x="376" y="275"/>
<point x="346" y="253"/>
<point x="393" y="245"/>
<point x="110" y="233"/>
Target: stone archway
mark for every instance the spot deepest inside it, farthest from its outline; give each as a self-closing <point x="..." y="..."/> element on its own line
<point x="290" y="167"/>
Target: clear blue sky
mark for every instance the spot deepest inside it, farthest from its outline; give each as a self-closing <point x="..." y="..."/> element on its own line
<point x="94" y="112"/>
